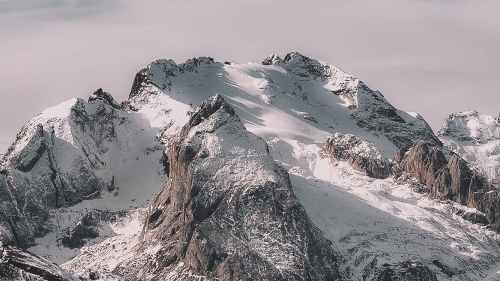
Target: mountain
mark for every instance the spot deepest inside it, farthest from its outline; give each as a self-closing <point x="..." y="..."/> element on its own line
<point x="289" y="169"/>
<point x="70" y="154"/>
<point x="231" y="210"/>
<point x="476" y="138"/>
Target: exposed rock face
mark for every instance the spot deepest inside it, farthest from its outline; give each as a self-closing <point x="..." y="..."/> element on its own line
<point x="272" y="59"/>
<point x="38" y="180"/>
<point x="450" y="179"/>
<point x="374" y="113"/>
<point x="86" y="227"/>
<point x="164" y="70"/>
<point x="424" y="164"/>
<point x="473" y="217"/>
<point x="18" y="265"/>
<point x="405" y="271"/>
<point x="227" y="212"/>
<point x="363" y="156"/>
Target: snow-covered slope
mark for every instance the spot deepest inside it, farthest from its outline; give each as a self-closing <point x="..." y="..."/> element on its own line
<point x="380" y="227"/>
<point x="476" y="138"/>
<point x="296" y="99"/>
<point x="68" y="155"/>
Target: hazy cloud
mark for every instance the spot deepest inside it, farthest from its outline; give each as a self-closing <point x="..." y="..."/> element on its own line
<point x="434" y="57"/>
<point x="52" y="10"/>
<point x="9" y="6"/>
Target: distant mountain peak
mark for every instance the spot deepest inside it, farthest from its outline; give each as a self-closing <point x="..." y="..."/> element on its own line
<point x="471" y="125"/>
<point x="476" y="138"/>
<point x="272" y="59"/>
<point x="99" y="94"/>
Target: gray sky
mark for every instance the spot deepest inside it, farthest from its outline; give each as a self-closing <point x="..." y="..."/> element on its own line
<point x="434" y="57"/>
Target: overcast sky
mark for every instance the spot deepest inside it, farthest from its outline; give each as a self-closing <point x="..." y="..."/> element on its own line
<point x="434" y="57"/>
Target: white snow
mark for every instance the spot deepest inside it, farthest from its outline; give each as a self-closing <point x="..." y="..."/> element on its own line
<point x="365" y="218"/>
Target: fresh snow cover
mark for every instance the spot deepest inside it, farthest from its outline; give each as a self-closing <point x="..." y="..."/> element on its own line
<point x="387" y="221"/>
<point x="476" y="138"/>
<point x="130" y="159"/>
<point x="370" y="221"/>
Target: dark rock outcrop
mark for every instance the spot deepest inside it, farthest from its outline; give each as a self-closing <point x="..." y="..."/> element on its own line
<point x="477" y="218"/>
<point x="85" y="228"/>
<point x="140" y="80"/>
<point x="404" y="271"/>
<point x="446" y="179"/>
<point x="99" y="94"/>
<point x="15" y="228"/>
<point x="374" y="113"/>
<point x="272" y="59"/>
<point x="304" y="66"/>
<point x="18" y="265"/>
<point x="450" y="179"/>
<point x="363" y="156"/>
<point x="228" y="211"/>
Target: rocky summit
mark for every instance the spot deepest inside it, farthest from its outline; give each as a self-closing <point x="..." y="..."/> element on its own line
<point x="288" y="169"/>
<point x="230" y="209"/>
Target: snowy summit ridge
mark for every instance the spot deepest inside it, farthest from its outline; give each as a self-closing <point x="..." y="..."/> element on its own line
<point x="289" y="169"/>
<point x="476" y="138"/>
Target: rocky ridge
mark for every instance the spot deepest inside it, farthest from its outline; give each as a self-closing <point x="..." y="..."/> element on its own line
<point x="404" y="271"/>
<point x="369" y="108"/>
<point x="476" y="138"/>
<point x="450" y="179"/>
<point x="361" y="155"/>
<point x="18" y="265"/>
<point x="231" y="210"/>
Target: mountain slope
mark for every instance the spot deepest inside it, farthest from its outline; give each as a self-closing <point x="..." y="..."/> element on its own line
<point x="71" y="153"/>
<point x="230" y="210"/>
<point x="325" y="127"/>
<point x="476" y="138"/>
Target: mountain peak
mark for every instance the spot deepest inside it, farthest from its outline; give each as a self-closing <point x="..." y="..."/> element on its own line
<point x="215" y="214"/>
<point x="471" y="126"/>
<point x="476" y="138"/>
<point x="272" y="59"/>
<point x="305" y="66"/>
<point x="209" y="107"/>
<point x="192" y="64"/>
<point x="106" y="97"/>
